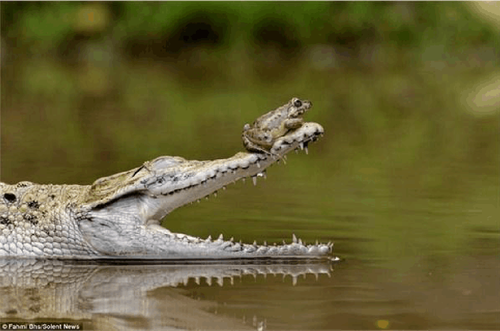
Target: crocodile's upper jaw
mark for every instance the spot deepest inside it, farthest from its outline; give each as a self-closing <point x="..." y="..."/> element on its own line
<point x="170" y="182"/>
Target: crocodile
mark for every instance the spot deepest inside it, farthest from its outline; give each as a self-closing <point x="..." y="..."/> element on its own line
<point x="118" y="217"/>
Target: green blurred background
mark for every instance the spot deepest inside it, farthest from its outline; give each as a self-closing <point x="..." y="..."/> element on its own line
<point x="408" y="94"/>
<point x="405" y="181"/>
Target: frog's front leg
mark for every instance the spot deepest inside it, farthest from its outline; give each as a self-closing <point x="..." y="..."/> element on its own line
<point x="293" y="123"/>
<point x="256" y="140"/>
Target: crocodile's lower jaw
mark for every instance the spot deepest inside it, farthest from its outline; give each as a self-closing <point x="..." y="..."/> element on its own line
<point x="87" y="224"/>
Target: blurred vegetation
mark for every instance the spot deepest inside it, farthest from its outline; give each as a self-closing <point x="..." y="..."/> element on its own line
<point x="405" y="90"/>
<point x="136" y="27"/>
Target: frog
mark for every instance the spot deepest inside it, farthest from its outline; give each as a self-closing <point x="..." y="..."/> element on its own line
<point x="265" y="130"/>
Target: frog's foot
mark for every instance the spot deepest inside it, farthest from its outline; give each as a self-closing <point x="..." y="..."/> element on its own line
<point x="253" y="146"/>
<point x="277" y="156"/>
<point x="257" y="149"/>
<point x="255" y="140"/>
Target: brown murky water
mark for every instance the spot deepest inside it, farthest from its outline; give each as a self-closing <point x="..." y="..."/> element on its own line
<point x="405" y="182"/>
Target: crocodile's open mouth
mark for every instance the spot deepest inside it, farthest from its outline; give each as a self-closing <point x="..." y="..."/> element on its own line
<point x="167" y="183"/>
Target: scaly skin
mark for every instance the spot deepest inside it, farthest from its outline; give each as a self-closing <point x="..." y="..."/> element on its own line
<point x="118" y="217"/>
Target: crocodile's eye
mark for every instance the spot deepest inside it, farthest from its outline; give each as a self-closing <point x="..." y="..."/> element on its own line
<point x="297" y="103"/>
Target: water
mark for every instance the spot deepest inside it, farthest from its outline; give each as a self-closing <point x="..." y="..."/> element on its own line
<point x="405" y="182"/>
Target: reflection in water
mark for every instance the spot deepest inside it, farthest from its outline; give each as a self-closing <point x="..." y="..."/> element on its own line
<point x="126" y="296"/>
<point x="415" y="293"/>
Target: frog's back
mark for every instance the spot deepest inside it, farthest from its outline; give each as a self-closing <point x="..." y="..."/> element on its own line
<point x="272" y="119"/>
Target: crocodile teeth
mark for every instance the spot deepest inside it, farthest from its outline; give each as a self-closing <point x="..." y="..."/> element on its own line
<point x="294" y="238"/>
<point x="215" y="194"/>
<point x="254" y="180"/>
<point x="306" y="150"/>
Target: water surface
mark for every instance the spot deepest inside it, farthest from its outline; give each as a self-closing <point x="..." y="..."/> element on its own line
<point x="405" y="182"/>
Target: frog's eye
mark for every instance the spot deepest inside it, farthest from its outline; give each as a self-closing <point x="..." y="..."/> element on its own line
<point x="297" y="103"/>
